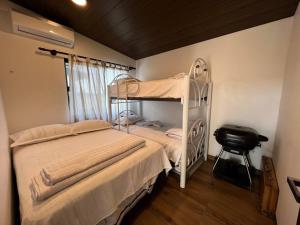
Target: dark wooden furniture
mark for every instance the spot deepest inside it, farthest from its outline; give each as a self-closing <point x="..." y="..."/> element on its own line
<point x="294" y="185"/>
<point x="269" y="188"/>
<point x="140" y="28"/>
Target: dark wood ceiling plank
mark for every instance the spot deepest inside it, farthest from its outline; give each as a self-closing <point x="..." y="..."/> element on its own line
<point x="214" y="23"/>
<point x="179" y="20"/>
<point x="117" y="20"/>
<point x="158" y="17"/>
<point x="161" y="34"/>
<point x="166" y="21"/>
<point x="140" y="28"/>
<point x="213" y="33"/>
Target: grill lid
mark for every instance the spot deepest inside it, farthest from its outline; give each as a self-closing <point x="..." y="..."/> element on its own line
<point x="238" y="137"/>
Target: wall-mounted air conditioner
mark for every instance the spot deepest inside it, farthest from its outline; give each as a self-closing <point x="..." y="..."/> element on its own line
<point x="42" y="29"/>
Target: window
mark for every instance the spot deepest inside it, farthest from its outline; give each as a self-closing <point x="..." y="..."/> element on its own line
<point x="87" y="89"/>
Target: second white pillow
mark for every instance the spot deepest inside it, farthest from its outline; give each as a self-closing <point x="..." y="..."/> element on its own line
<point x="88" y="126"/>
<point x="174" y="133"/>
<point x="40" y="134"/>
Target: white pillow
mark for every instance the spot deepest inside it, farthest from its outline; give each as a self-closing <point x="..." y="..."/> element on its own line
<point x="132" y="119"/>
<point x="40" y="134"/>
<point x="174" y="133"/>
<point x="154" y="123"/>
<point x="88" y="126"/>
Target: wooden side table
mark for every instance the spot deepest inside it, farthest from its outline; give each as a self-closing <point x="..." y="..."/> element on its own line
<point x="294" y="183"/>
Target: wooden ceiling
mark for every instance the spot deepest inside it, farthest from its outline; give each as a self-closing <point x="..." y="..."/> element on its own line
<point x="141" y="28"/>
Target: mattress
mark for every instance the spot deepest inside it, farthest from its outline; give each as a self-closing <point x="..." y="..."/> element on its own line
<point x="172" y="146"/>
<point x="164" y="88"/>
<point x="94" y="198"/>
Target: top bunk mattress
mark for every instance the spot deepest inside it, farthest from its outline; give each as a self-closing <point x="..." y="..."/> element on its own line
<point x="127" y="86"/>
<point x="164" y="88"/>
<point x="95" y="197"/>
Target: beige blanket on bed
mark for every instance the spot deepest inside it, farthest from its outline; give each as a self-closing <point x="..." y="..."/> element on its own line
<point x="59" y="175"/>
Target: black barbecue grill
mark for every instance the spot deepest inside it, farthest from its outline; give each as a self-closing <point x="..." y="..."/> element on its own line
<point x="239" y="141"/>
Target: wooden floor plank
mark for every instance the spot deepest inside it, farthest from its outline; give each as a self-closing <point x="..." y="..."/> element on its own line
<point x="206" y="200"/>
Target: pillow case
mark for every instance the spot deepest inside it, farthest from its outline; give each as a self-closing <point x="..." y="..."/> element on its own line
<point x="174" y="133"/>
<point x="88" y="126"/>
<point x="132" y="119"/>
<point x="152" y="123"/>
<point x="40" y="134"/>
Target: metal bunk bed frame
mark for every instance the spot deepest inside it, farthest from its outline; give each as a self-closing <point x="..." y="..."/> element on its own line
<point x="195" y="139"/>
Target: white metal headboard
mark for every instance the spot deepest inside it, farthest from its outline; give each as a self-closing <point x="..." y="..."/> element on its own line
<point x="199" y="69"/>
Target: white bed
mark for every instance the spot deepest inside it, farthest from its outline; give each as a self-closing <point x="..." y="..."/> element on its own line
<point x="96" y="199"/>
<point x="172" y="146"/>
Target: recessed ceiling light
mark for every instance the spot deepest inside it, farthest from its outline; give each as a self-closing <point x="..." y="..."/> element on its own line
<point x="80" y="2"/>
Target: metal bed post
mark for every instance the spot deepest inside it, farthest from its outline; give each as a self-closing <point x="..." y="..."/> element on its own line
<point x="127" y="107"/>
<point x="118" y="107"/>
<point x="109" y="106"/>
<point x="208" y="114"/>
<point x="141" y="108"/>
<point x="185" y="122"/>
<point x="192" y="157"/>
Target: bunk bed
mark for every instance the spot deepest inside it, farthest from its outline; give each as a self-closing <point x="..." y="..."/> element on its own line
<point x="193" y="90"/>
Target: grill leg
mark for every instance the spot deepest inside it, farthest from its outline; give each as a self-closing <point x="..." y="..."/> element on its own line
<point x="249" y="160"/>
<point x="219" y="156"/>
<point x="247" y="167"/>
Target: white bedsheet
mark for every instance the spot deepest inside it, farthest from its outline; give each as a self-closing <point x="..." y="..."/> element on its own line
<point x="164" y="88"/>
<point x="94" y="198"/>
<point x="172" y="146"/>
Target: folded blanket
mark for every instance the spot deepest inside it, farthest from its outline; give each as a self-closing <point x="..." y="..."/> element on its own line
<point x="78" y="163"/>
<point x="61" y="174"/>
<point x="40" y="191"/>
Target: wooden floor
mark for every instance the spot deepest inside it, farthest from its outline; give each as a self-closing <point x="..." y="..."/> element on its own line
<point x="205" y="201"/>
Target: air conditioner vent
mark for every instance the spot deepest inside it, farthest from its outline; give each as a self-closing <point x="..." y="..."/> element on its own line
<point x="42" y="30"/>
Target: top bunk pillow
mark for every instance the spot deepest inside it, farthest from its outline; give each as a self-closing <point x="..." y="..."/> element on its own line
<point x="40" y="134"/>
<point x="88" y="126"/>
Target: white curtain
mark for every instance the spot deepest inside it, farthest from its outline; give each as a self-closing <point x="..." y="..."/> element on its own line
<point x="88" y="95"/>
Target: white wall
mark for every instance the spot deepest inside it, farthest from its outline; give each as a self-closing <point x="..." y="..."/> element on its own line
<point x="34" y="86"/>
<point x="5" y="172"/>
<point x="33" y="89"/>
<point x="287" y="145"/>
<point x="247" y="71"/>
